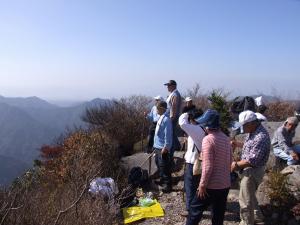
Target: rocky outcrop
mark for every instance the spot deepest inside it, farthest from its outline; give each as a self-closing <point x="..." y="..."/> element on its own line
<point x="293" y="180"/>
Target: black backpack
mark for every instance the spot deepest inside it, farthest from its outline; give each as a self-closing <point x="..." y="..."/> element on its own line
<point x="241" y="104"/>
<point x="137" y="176"/>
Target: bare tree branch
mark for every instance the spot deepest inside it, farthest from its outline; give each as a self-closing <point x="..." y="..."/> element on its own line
<point x="9" y="209"/>
<point x="72" y="205"/>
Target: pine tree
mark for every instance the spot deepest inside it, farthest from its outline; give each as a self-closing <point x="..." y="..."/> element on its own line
<point x="219" y="103"/>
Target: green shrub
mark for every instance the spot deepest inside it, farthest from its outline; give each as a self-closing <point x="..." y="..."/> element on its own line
<point x="218" y="100"/>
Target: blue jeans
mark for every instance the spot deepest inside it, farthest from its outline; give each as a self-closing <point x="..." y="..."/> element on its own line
<point x="191" y="184"/>
<point x="217" y="198"/>
<point x="163" y="163"/>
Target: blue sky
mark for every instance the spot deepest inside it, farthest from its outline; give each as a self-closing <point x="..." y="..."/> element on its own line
<point x="79" y="50"/>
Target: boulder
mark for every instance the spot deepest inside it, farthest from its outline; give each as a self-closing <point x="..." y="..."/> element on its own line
<point x="139" y="159"/>
<point x="262" y="192"/>
<point x="274" y="163"/>
<point x="293" y="176"/>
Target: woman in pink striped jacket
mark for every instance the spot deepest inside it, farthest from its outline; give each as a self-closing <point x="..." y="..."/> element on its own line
<point x="216" y="163"/>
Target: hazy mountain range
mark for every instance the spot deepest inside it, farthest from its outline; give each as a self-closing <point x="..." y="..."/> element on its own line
<point x="28" y="123"/>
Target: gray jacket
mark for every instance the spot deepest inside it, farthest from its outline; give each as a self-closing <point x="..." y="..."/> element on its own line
<point x="283" y="139"/>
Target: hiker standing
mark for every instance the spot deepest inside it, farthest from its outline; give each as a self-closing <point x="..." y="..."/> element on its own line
<point x="215" y="178"/>
<point x="174" y="110"/>
<point x="162" y="147"/>
<point x="153" y="117"/>
<point x="282" y="142"/>
<point x="261" y="109"/>
<point x="194" y="141"/>
<point x="189" y="106"/>
<point x="255" y="154"/>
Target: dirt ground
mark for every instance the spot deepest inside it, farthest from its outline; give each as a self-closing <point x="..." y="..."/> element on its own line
<point x="173" y="203"/>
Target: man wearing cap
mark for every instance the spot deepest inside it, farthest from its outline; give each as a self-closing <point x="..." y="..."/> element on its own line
<point x="215" y="178"/>
<point x="255" y="154"/>
<point x="282" y="142"/>
<point x="162" y="147"/>
<point x="153" y="117"/>
<point x="189" y="106"/>
<point x="194" y="144"/>
<point x="174" y="110"/>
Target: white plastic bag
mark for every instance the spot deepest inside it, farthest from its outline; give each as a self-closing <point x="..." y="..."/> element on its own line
<point x="103" y="186"/>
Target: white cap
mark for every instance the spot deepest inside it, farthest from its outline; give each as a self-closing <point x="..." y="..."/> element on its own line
<point x="187" y="99"/>
<point x="158" y="97"/>
<point x="244" y="117"/>
<point x="247" y="117"/>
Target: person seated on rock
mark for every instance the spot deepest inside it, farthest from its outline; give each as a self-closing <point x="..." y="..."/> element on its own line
<point x="282" y="142"/>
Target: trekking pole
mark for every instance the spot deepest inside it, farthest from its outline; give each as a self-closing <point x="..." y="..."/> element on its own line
<point x="142" y="135"/>
<point x="185" y="148"/>
<point x="150" y="162"/>
<point x="149" y="157"/>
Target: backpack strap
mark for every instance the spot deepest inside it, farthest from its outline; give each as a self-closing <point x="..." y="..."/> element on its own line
<point x="195" y="147"/>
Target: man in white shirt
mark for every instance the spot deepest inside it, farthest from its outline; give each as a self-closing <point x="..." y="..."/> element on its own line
<point x="195" y="135"/>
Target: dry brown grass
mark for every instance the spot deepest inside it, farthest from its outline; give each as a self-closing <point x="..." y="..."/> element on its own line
<point x="57" y="192"/>
<point x="122" y="120"/>
<point x="279" y="110"/>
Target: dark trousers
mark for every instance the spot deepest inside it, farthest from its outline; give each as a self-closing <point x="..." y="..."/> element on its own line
<point x="163" y="163"/>
<point x="191" y="184"/>
<point x="175" y="144"/>
<point x="151" y="136"/>
<point x="217" y="198"/>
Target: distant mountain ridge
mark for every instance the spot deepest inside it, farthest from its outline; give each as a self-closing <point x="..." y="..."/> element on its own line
<point x="29" y="102"/>
<point x="28" y="123"/>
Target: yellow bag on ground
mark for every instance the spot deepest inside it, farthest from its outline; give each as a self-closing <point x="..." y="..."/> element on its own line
<point x="135" y="213"/>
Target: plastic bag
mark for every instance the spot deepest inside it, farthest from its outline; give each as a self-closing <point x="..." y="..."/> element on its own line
<point x="104" y="186"/>
<point x="132" y="214"/>
<point x="146" y="202"/>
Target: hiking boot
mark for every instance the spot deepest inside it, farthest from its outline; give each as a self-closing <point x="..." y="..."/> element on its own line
<point x="184" y="213"/>
<point x="259" y="222"/>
